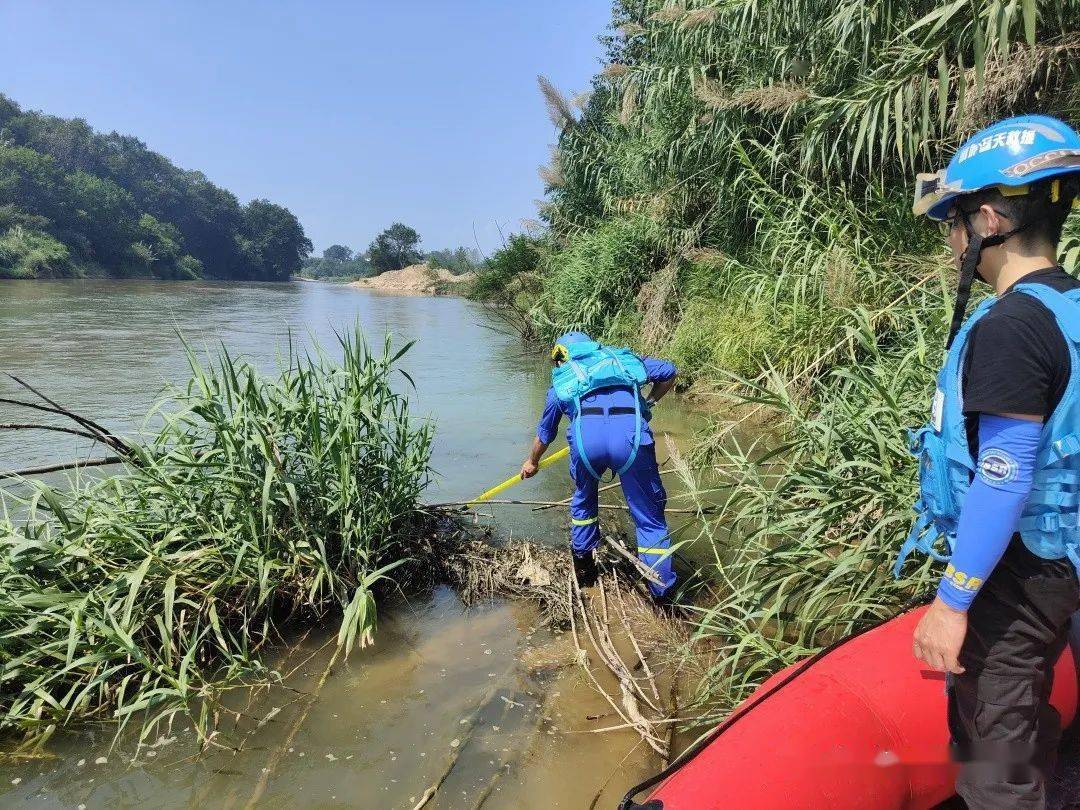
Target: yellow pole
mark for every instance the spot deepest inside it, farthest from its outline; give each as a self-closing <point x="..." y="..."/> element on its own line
<point x="516" y="479"/>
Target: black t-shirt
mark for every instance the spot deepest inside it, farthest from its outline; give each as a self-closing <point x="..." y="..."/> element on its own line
<point x="1017" y="360"/>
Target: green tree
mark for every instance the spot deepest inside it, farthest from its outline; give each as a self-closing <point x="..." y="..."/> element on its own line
<point x="30" y="181"/>
<point x="396" y="247"/>
<point x="102" y="214"/>
<point x="158" y="247"/>
<point x="90" y="190"/>
<point x="189" y="268"/>
<point x="337" y="253"/>
<point x="273" y="241"/>
<point x="458" y="261"/>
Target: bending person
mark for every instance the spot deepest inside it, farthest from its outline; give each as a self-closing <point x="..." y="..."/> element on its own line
<point x="599" y="389"/>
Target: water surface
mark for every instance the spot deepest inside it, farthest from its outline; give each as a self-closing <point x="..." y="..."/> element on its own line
<point x="441" y="684"/>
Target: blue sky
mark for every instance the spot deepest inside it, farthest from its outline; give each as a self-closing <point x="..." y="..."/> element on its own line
<point x="352" y="114"/>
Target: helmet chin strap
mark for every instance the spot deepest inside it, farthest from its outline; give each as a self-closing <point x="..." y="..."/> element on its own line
<point x="969" y="263"/>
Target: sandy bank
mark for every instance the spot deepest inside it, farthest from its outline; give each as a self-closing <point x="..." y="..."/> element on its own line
<point x="416" y="279"/>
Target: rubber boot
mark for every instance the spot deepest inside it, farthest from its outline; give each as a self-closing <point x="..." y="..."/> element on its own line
<point x="585" y="569"/>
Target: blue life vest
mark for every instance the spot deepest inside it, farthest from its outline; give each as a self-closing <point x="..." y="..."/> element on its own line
<point x="1049" y="522"/>
<point x="591" y="366"/>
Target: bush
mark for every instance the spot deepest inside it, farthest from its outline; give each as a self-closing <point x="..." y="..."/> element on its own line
<point x="188" y="268"/>
<point x="597" y="277"/>
<point x="33" y="254"/>
<point x="495" y="280"/>
<point x="458" y="261"/>
<point x="819" y="510"/>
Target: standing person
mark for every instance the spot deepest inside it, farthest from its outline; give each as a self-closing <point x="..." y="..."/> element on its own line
<point x="1000" y="458"/>
<point x="599" y="389"/>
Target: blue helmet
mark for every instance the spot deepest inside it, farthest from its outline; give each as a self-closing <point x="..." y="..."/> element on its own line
<point x="1010" y="155"/>
<point x="559" y="352"/>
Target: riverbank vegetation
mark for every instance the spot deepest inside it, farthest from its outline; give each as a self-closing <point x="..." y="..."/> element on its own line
<point x="262" y="502"/>
<point x="337" y="263"/>
<point x="78" y="202"/>
<point x="734" y="193"/>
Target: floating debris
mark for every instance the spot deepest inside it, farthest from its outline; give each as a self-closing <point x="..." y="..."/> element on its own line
<point x="271" y="715"/>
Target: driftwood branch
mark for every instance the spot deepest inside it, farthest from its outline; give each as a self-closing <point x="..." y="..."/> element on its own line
<point x="275" y="758"/>
<point x="448" y="504"/>
<point x="53" y="428"/>
<point x="642" y="568"/>
<point x="67" y="465"/>
<point x="101" y="433"/>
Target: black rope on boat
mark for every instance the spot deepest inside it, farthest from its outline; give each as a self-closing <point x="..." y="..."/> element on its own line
<point x="686" y="756"/>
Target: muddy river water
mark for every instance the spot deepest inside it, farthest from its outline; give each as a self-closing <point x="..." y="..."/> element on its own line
<point x="441" y="684"/>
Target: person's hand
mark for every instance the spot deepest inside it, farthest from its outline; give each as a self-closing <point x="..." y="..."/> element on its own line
<point x="939" y="636"/>
<point x="529" y="468"/>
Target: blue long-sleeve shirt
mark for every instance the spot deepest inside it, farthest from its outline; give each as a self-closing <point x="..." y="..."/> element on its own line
<point x="656" y="370"/>
<point x="992" y="506"/>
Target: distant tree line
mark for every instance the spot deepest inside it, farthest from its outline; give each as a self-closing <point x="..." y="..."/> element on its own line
<point x="337" y="261"/>
<point x="395" y="248"/>
<point x="458" y="261"/>
<point x="75" y="201"/>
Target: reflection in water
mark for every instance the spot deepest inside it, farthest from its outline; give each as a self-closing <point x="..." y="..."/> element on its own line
<point x="385" y="724"/>
<point x="441" y="686"/>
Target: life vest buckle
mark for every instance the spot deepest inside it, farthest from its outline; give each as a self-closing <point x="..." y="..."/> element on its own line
<point x="1067" y="446"/>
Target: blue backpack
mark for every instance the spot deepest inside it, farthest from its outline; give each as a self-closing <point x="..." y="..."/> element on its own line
<point x="591" y="366"/>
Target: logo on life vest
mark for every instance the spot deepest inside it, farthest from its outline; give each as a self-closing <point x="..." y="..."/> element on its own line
<point x="997" y="467"/>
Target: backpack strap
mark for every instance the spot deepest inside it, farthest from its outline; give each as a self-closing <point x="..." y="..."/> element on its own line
<point x="1065" y="307"/>
<point x="637" y="435"/>
<point x="582" y="455"/>
<point x="637" y="413"/>
<point x="922" y="537"/>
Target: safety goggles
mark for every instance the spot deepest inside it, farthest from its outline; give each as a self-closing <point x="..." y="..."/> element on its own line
<point x="951" y="221"/>
<point x="945" y="226"/>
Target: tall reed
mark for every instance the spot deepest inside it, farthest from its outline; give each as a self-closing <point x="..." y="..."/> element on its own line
<point x="260" y="500"/>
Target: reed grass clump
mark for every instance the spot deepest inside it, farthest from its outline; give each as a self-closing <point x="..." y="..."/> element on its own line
<point x="814" y="512"/>
<point x="597" y="279"/>
<point x="261" y="500"/>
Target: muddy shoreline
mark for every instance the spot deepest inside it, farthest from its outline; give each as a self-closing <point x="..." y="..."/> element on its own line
<point x="519" y="700"/>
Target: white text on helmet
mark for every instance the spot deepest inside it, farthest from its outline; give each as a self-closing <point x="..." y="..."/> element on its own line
<point x="1014" y="139"/>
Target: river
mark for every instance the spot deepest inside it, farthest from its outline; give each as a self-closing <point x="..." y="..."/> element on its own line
<point x="441" y="683"/>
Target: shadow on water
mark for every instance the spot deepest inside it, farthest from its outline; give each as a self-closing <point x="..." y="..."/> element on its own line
<point x="476" y="688"/>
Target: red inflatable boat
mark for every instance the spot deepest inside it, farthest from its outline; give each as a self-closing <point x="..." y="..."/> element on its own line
<point x="863" y="727"/>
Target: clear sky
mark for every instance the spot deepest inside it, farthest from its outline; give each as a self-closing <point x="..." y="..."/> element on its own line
<point x="351" y="114"/>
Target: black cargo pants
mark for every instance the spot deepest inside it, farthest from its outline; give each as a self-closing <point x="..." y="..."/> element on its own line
<point x="1004" y="731"/>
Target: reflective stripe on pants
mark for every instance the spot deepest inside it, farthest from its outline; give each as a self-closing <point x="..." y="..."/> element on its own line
<point x="645" y="496"/>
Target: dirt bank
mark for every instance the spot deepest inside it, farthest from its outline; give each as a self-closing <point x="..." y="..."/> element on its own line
<point x="416" y="279"/>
